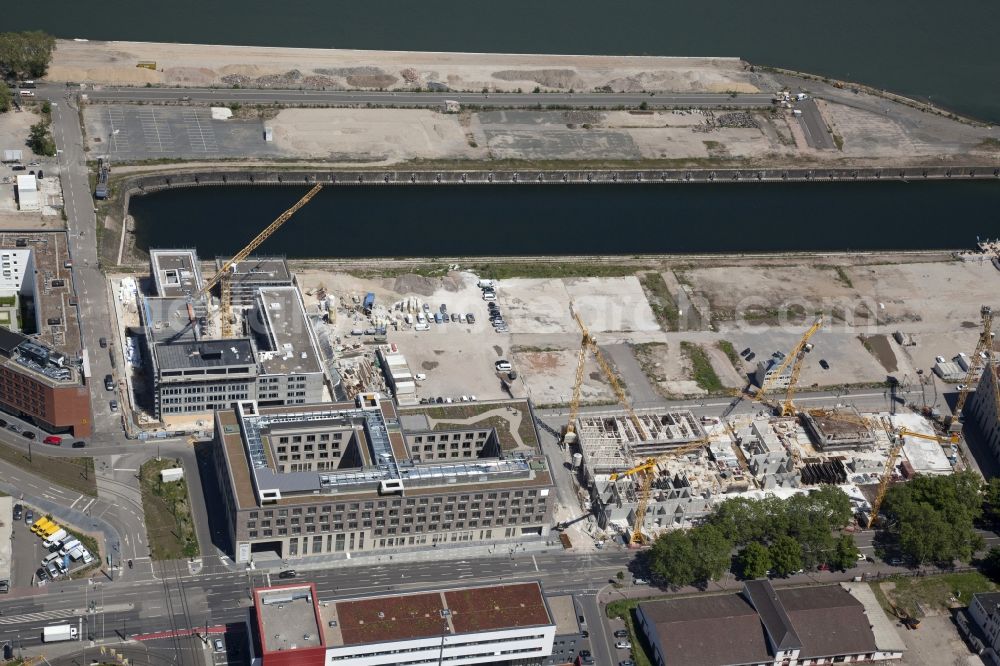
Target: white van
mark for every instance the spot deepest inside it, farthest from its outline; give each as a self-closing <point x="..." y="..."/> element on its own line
<point x="486" y="284"/>
<point x="421" y="327"/>
<point x="67" y="547"/>
<point x="27" y="93"/>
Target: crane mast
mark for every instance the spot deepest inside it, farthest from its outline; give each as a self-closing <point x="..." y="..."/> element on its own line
<point x="223" y="274"/>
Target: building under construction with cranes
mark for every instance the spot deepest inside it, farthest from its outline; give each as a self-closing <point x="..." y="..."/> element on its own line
<point x="984" y="407"/>
<point x="838" y="429"/>
<point x="272" y="358"/>
<point x="612" y="442"/>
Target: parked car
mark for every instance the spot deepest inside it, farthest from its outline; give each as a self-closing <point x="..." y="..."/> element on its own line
<point x="79" y="444"/>
<point x="288" y="573"/>
<point x="219" y="645"/>
<point x="627" y="662"/>
<point x="489" y="296"/>
<point x="502" y="365"/>
<point x="109" y="383"/>
<point x="621" y="633"/>
<point x="444" y="309"/>
<point x="3" y="423"/>
<point x="104" y="343"/>
<point x="751" y="356"/>
<point x="623" y="645"/>
<point x="454" y="316"/>
<point x="14" y="427"/>
<point x="27" y="434"/>
<point x="41" y="574"/>
<point x="823" y="364"/>
<point x="52" y="439"/>
<point x="745" y="352"/>
<point x="29" y="517"/>
<point x="18" y="512"/>
<point x="471" y="317"/>
<point x="114" y="405"/>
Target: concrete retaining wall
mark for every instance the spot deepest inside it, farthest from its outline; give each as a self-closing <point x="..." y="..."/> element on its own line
<point x="151" y="183"/>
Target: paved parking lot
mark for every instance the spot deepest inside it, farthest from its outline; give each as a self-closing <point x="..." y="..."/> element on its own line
<point x="130" y="132"/>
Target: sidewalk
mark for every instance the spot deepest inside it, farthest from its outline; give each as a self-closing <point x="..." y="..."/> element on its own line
<point x="444" y="551"/>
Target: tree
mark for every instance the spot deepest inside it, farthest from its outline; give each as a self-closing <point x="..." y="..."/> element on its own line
<point x="754" y="560"/>
<point x="5" y="98"/>
<point x="991" y="500"/>
<point x="932" y="518"/>
<point x="845" y="553"/>
<point x="672" y="558"/>
<point x="786" y="555"/>
<point x="26" y="54"/>
<point x="991" y="564"/>
<point x="712" y="551"/>
<point x="40" y="141"/>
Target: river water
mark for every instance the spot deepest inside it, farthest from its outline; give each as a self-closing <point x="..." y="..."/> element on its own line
<point x="944" y="51"/>
<point x="407" y="221"/>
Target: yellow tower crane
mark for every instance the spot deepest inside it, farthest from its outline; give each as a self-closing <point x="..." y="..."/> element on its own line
<point x="890" y="465"/>
<point x="225" y="300"/>
<point x="648" y="471"/>
<point x="589" y="344"/>
<point x="795" y="358"/>
<point x="983" y="348"/>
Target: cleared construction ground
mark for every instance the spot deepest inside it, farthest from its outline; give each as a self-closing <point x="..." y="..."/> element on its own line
<point x="934" y="304"/>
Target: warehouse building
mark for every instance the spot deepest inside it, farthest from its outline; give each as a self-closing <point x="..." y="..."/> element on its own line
<point x="984" y="407"/>
<point x="340" y="478"/>
<point x="495" y="624"/>
<point x="41" y="385"/>
<point x="801" y="626"/>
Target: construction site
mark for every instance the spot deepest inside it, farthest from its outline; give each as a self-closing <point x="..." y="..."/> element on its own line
<point x="644" y="472"/>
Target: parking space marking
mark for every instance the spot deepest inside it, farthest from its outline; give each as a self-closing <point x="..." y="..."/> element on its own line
<point x="157" y="133"/>
<point x="201" y="135"/>
<point x="118" y="130"/>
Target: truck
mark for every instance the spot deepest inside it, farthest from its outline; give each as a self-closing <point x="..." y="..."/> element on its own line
<point x="55" y="538"/>
<point x="59" y="632"/>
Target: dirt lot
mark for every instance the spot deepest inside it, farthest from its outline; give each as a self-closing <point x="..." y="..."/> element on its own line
<point x="376" y="135"/>
<point x="936" y="302"/>
<point x="457" y="358"/>
<point x="200" y="65"/>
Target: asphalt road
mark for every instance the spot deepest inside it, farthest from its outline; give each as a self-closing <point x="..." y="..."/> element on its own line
<point x="424" y="99"/>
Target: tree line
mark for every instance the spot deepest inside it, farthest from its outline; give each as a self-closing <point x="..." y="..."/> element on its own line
<point x="929" y="520"/>
<point x="23" y="55"/>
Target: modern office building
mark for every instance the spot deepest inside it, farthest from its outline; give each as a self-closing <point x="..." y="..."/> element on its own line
<point x="494" y="624"/>
<point x="42" y="386"/>
<point x="290" y="371"/>
<point x="254" y="273"/>
<point x="343" y="478"/>
<point x="193" y="371"/>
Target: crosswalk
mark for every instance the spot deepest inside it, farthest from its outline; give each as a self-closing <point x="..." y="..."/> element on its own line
<point x="41" y="615"/>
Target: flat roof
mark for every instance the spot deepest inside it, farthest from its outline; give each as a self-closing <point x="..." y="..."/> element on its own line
<point x="451" y="612"/>
<point x="290" y="337"/>
<point x="204" y="354"/>
<point x="27" y="183"/>
<point x="262" y="270"/>
<point x="287" y="618"/>
<point x="243" y="431"/>
<point x="175" y="272"/>
<point x="168" y="319"/>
